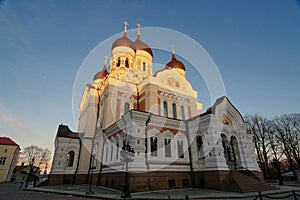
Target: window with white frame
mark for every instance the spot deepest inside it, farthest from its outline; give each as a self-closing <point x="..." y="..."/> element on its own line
<point x="174" y="110"/>
<point x="165" y="109"/>
<point x="180" y="149"/>
<point x="153" y="146"/>
<point x="167" y="147"/>
<point x="182" y="113"/>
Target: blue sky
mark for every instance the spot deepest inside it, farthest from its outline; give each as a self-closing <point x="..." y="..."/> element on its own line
<point x="255" y="45"/>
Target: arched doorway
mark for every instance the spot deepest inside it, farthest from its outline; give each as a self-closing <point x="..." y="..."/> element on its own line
<point x="236" y="151"/>
<point x="228" y="152"/>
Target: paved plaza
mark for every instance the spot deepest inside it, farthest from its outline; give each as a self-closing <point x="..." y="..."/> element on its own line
<point x="11" y="191"/>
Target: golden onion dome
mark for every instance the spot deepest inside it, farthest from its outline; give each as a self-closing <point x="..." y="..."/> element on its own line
<point x="174" y="63"/>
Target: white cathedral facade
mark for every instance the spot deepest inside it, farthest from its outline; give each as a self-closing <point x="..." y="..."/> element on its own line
<point x="173" y="143"/>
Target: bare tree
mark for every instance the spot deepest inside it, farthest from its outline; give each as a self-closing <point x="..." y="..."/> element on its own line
<point x="264" y="141"/>
<point x="287" y="130"/>
<point x="41" y="156"/>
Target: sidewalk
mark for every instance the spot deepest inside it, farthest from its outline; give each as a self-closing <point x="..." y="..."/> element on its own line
<point x="107" y="193"/>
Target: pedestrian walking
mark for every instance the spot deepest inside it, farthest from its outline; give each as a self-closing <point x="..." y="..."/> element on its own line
<point x="22" y="181"/>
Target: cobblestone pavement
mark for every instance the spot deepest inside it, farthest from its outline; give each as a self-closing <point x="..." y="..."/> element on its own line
<point x="10" y="191"/>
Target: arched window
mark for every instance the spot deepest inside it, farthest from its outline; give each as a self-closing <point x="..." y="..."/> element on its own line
<point x="70" y="159"/>
<point x="167" y="147"/>
<point x="165" y="109"/>
<point x="182" y="113"/>
<point x="144" y="66"/>
<point x="180" y="149"/>
<point x="119" y="62"/>
<point x="153" y="146"/>
<point x="174" y="110"/>
<point x="126" y="107"/>
<point x="226" y="148"/>
<point x="126" y="63"/>
<point x="199" y="147"/>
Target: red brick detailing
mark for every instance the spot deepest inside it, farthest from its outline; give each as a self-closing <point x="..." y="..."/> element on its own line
<point x="115" y="134"/>
<point x="139" y="181"/>
<point x="142" y="95"/>
<point x="118" y="109"/>
<point x="143" y="106"/>
<point x="163" y="129"/>
<point x="158" y="180"/>
<point x="120" y="93"/>
<point x="158" y="103"/>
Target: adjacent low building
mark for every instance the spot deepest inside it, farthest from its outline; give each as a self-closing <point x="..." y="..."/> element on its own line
<point x="9" y="152"/>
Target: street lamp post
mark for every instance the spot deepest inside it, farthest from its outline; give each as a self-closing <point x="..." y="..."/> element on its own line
<point x="127" y="154"/>
<point x="92" y="157"/>
<point x="30" y="173"/>
<point x="277" y="165"/>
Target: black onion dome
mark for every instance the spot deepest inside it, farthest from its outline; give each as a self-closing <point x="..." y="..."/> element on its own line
<point x="139" y="45"/>
<point x="123" y="41"/>
<point x="102" y="74"/>
<point x="174" y="63"/>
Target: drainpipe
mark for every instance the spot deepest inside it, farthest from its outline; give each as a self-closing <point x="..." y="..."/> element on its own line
<point x="146" y="150"/>
<point x="79" y="153"/>
<point x="138" y="97"/>
<point x="101" y="165"/>
<point x="190" y="154"/>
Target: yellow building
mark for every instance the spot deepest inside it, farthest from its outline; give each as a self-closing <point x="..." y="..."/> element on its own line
<point x="9" y="151"/>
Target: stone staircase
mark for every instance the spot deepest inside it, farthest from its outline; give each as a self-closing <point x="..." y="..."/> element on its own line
<point x="243" y="181"/>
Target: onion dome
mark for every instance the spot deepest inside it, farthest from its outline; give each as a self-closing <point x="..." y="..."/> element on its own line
<point x="139" y="45"/>
<point x="174" y="63"/>
<point x="123" y="41"/>
<point x="103" y="73"/>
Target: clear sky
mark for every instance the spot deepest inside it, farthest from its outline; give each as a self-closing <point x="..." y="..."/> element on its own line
<point x="255" y="45"/>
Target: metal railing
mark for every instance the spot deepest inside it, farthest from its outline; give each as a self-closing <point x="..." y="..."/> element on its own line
<point x="294" y="196"/>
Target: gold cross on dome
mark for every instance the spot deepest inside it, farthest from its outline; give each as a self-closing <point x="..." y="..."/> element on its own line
<point x="105" y="60"/>
<point x="125" y="26"/>
<point x="173" y="49"/>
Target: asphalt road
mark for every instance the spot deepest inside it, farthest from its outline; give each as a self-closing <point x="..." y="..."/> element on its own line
<point x="10" y="191"/>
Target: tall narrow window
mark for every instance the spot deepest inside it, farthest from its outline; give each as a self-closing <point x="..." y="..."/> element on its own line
<point x="119" y="62"/>
<point x="180" y="149"/>
<point x="111" y="150"/>
<point x="226" y="148"/>
<point x="153" y="146"/>
<point x="70" y="159"/>
<point x="117" y="153"/>
<point x="106" y="152"/>
<point x="144" y="66"/>
<point x="182" y="113"/>
<point x="165" y="109"/>
<point x="199" y="147"/>
<point x="174" y="110"/>
<point x="126" y="107"/>
<point x="126" y="63"/>
<point x="167" y="147"/>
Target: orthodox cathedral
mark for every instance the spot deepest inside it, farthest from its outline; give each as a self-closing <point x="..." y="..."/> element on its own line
<point x="147" y="130"/>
